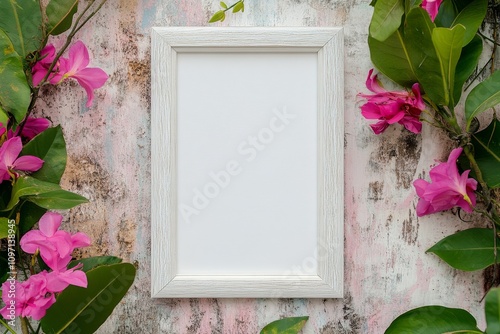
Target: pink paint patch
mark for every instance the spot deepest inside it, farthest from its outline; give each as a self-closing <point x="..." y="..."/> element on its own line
<point x="193" y="12"/>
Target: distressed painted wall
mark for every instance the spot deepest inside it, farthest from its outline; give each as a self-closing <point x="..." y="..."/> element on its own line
<point x="386" y="269"/>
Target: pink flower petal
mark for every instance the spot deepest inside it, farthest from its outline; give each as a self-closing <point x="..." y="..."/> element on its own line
<point x="40" y="69"/>
<point x="78" y="57"/>
<point x="372" y="83"/>
<point x="90" y="79"/>
<point x="39" y="73"/>
<point x="393" y="112"/>
<point x="420" y="186"/>
<point x="10" y="151"/>
<point x="379" y="127"/>
<point x="432" y="7"/>
<point x="80" y="239"/>
<point x="58" y="281"/>
<point x="411" y="124"/>
<point x="419" y="102"/>
<point x="28" y="163"/>
<point x="31" y="240"/>
<point x="49" y="223"/>
<point x="424" y="208"/>
<point x="370" y="111"/>
<point x="34" y="126"/>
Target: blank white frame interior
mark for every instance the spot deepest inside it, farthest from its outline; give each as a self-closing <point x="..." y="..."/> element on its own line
<point x="296" y="56"/>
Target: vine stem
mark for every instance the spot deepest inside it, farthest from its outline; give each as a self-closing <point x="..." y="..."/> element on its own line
<point x="234" y="4"/>
<point x="495" y="253"/>
<point x="24" y="325"/>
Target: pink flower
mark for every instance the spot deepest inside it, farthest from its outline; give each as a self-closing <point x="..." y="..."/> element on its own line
<point x="432" y="7"/>
<point x="32" y="127"/>
<point x="30" y="298"/>
<point x="447" y="188"/>
<point x="55" y="245"/>
<point x="39" y="71"/>
<point x="90" y="78"/>
<point x="9" y="161"/>
<point x="392" y="107"/>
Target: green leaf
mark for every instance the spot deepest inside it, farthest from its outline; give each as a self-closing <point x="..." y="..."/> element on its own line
<point x="22" y="22"/>
<point x="447" y="13"/>
<point x="468" y="250"/>
<point x="470" y="14"/>
<point x="487" y="153"/>
<point x="29" y="215"/>
<point x="291" y="325"/>
<point x="223" y="5"/>
<point x="26" y="186"/>
<point x="60" y="15"/>
<point x="94" y="262"/>
<point x="4" y="227"/>
<point x="239" y="6"/>
<point x="4" y="118"/>
<point x="492" y="311"/>
<point x="84" y="310"/>
<point x="57" y="200"/>
<point x="468" y="61"/>
<point x="392" y="59"/>
<point x="484" y="96"/>
<point x="44" y="194"/>
<point x="434" y="320"/>
<point x="218" y="16"/>
<point x="51" y="148"/>
<point x="427" y="63"/>
<point x="471" y="18"/>
<point x="386" y="18"/>
<point x="15" y="93"/>
<point x="448" y="44"/>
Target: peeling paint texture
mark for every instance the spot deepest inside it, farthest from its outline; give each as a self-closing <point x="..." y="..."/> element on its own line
<point x="386" y="269"/>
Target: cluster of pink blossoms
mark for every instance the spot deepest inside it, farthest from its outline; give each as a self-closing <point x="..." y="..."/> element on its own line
<point x="75" y="67"/>
<point x="392" y="107"/>
<point x="35" y="295"/>
<point x="448" y="188"/>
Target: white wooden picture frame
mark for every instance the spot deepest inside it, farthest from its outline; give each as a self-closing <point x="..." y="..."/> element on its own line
<point x="211" y="86"/>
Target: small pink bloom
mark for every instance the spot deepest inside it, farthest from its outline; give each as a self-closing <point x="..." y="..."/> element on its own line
<point x="392" y="107"/>
<point x="55" y="245"/>
<point x="432" y="7"/>
<point x="75" y="67"/>
<point x="9" y="161"/>
<point x="41" y="68"/>
<point x="447" y="188"/>
<point x="32" y="127"/>
<point x="90" y="78"/>
<point x="31" y="298"/>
